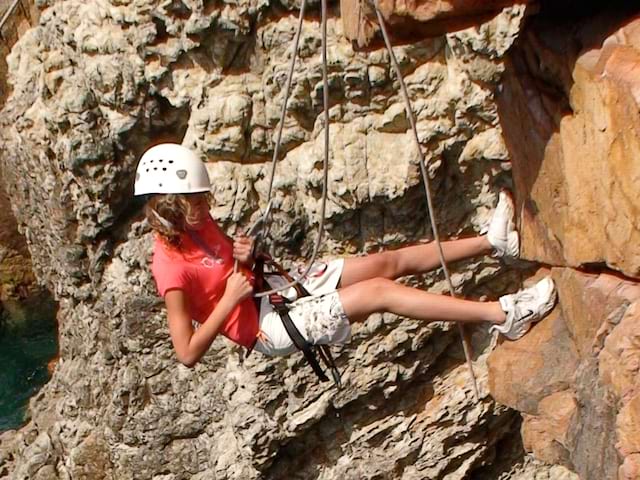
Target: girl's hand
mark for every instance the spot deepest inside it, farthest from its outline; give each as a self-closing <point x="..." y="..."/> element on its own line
<point x="242" y="250"/>
<point x="238" y="288"/>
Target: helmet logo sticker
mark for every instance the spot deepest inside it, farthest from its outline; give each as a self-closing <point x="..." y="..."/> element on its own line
<point x="182" y="174"/>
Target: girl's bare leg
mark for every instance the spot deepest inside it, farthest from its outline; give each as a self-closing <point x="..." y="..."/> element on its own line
<point x="361" y="299"/>
<point x="410" y="260"/>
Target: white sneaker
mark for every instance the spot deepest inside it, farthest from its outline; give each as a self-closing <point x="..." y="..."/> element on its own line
<point x="525" y="307"/>
<point x="502" y="234"/>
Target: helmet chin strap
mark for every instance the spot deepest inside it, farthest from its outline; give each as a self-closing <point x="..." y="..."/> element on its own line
<point x="163" y="220"/>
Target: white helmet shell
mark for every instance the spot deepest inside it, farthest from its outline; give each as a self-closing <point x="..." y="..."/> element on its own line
<point x="171" y="168"/>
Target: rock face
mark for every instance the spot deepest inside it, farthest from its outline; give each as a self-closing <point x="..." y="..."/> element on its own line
<point x="569" y="111"/>
<point x="93" y="86"/>
<point x="96" y="83"/>
<point x="16" y="276"/>
<point x="417" y="19"/>
<point x="581" y="369"/>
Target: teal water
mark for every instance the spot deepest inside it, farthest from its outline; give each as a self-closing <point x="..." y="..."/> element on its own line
<point x="28" y="341"/>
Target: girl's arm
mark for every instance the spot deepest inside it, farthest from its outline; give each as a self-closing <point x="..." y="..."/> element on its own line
<point x="190" y="344"/>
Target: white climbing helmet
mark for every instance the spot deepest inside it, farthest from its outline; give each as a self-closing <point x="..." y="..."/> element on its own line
<point x="171" y="168"/>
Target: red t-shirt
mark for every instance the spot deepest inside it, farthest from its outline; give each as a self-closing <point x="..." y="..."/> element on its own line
<point x="203" y="279"/>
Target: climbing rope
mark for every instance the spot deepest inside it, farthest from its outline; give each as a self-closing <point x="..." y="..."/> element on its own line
<point x="465" y="341"/>
<point x="274" y="160"/>
<point x="425" y="178"/>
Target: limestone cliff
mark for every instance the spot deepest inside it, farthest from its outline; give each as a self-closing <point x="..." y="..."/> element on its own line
<point x="95" y="83"/>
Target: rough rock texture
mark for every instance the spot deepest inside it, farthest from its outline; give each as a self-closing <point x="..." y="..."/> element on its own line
<point x="409" y="20"/>
<point x="569" y="111"/>
<point x="94" y="85"/>
<point x="581" y="369"/>
<point x="17" y="17"/>
<point x="16" y="276"/>
<point x="97" y="82"/>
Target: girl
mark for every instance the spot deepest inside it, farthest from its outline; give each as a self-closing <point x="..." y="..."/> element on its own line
<point x="193" y="264"/>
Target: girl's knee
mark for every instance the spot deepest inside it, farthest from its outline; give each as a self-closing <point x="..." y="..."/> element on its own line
<point x="390" y="263"/>
<point x="366" y="297"/>
<point x="377" y="288"/>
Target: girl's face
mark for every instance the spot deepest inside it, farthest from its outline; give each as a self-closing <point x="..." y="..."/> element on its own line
<point x="200" y="205"/>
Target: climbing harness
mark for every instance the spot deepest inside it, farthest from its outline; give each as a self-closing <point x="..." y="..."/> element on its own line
<point x="464" y="336"/>
<point x="281" y="305"/>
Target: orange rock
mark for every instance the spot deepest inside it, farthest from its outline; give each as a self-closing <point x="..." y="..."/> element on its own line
<point x="630" y="468"/>
<point x="628" y="422"/>
<point x="620" y="358"/>
<point x="587" y="354"/>
<point x="628" y="445"/>
<point x="17" y="280"/>
<point x="546" y="434"/>
<point x="591" y="304"/>
<point x="575" y="144"/>
<point x="416" y="19"/>
<point x="570" y="113"/>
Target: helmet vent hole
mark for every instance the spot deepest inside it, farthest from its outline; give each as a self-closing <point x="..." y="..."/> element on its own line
<point x="147" y="170"/>
<point x="160" y="185"/>
<point x="164" y="169"/>
<point x="160" y="160"/>
<point x="170" y="161"/>
<point x="155" y="168"/>
<point x="182" y="174"/>
<point x="150" y="161"/>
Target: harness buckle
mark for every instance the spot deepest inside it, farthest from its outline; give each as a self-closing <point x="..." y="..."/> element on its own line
<point x="277" y="300"/>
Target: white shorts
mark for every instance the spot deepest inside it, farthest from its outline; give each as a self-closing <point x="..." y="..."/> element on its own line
<point x="319" y="317"/>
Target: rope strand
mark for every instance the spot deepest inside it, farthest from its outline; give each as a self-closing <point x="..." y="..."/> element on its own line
<point x="325" y="101"/>
<point x="465" y="341"/>
<point x="287" y="93"/>
<point x="425" y="178"/>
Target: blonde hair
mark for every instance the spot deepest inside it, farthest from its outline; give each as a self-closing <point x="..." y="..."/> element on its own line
<point x="177" y="212"/>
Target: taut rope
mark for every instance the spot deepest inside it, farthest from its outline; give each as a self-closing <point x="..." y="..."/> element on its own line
<point x="274" y="161"/>
<point x="425" y="178"/>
